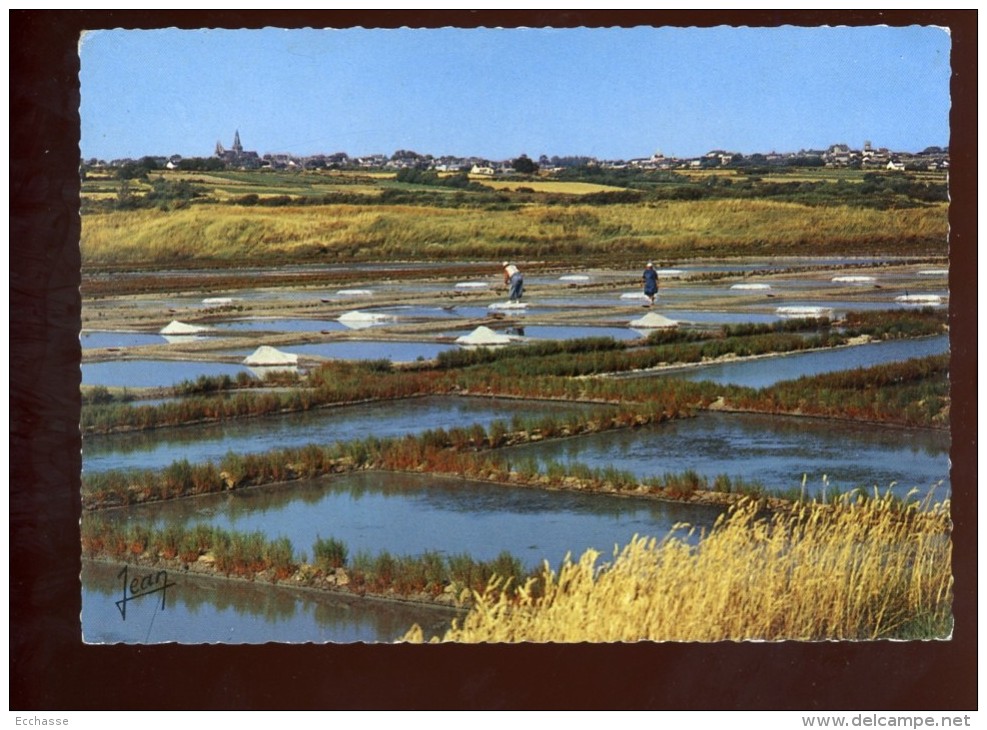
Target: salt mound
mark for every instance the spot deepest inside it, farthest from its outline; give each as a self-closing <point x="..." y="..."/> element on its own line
<point x="472" y="285"/>
<point x="635" y="295"/>
<point x="217" y="301"/>
<point x="355" y="293"/>
<point x="795" y="312"/>
<point x="854" y="279"/>
<point x="653" y="320"/>
<point x="751" y="287"/>
<point x="919" y="299"/>
<point x="485" y="336"/>
<point x="180" y="328"/>
<point x="934" y="272"/>
<point x="669" y="272"/>
<point x="574" y="277"/>
<point x="359" y="320"/>
<point x="508" y="305"/>
<point x="262" y="371"/>
<point x="181" y="339"/>
<point x="267" y="355"/>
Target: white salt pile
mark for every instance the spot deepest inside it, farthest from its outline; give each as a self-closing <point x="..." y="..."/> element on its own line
<point x="669" y="272"/>
<point x="635" y="295"/>
<point x="472" y="285"/>
<point x="267" y="355"/>
<point x="751" y="287"/>
<point x="355" y="293"/>
<point x="262" y="371"/>
<point x="180" y="328"/>
<point x="181" y="339"/>
<point x="934" y="272"/>
<point x="919" y="299"/>
<point x="795" y="312"/>
<point x="360" y="320"/>
<point x="485" y="336"/>
<point x="854" y="279"/>
<point x="574" y="277"/>
<point x="508" y="305"/>
<point x="653" y="320"/>
<point x="217" y="301"/>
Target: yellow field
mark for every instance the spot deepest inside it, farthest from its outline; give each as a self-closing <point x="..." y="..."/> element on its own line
<point x="858" y="570"/>
<point x="548" y="186"/>
<point x="199" y="177"/>
<point x="716" y="227"/>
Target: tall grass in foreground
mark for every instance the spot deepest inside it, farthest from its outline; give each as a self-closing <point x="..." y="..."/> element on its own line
<point x="858" y="569"/>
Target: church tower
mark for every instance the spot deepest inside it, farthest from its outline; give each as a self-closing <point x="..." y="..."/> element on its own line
<point x="237" y="147"/>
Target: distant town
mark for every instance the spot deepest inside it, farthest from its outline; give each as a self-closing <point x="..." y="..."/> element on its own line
<point x="236" y="157"/>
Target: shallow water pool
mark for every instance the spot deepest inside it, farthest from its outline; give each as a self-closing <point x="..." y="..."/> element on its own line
<point x="209" y="610"/>
<point x="775" y="451"/>
<point x="157" y="448"/>
<point x="98" y="339"/>
<point x="153" y="373"/>
<point x="766" y="371"/>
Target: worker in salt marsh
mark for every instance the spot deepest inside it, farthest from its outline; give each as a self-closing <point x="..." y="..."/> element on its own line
<point x="650" y="278"/>
<point x="513" y="279"/>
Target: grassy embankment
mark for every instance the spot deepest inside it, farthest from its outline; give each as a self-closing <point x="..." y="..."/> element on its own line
<point x="860" y="569"/>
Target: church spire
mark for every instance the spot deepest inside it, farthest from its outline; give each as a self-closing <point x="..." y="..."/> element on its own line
<point x="237" y="147"/>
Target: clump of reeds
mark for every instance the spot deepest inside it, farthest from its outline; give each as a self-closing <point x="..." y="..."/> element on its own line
<point x="856" y="569"/>
<point x="330" y="553"/>
<point x="432" y="573"/>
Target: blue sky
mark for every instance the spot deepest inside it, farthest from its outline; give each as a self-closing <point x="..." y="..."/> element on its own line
<point x="610" y="93"/>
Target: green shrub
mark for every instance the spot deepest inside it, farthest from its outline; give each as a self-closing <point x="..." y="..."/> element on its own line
<point x="330" y="553"/>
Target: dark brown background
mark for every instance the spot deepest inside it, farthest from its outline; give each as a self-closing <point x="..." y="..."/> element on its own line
<point x="51" y="669"/>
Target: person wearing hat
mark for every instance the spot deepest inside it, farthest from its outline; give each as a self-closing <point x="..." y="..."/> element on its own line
<point x="650" y="282"/>
<point x="513" y="279"/>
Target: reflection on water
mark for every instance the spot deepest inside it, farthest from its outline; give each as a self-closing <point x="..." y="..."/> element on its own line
<point x="210" y="610"/>
<point x="775" y="451"/>
<point x="158" y="448"/>
<point x="409" y="514"/>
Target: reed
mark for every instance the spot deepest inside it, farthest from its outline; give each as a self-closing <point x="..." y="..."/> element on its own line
<point x="330" y="553"/>
<point x="854" y="570"/>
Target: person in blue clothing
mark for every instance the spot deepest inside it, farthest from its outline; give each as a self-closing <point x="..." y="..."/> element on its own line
<point x="650" y="278"/>
<point x="515" y="280"/>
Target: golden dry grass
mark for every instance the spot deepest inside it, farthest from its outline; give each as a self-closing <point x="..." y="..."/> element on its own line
<point x="856" y="570"/>
<point x="730" y="227"/>
<point x="550" y="186"/>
